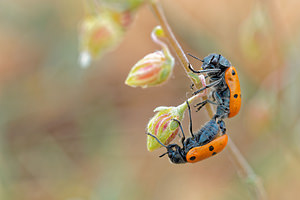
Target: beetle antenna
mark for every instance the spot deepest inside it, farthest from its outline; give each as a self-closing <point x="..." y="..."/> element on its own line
<point x="157" y="139"/>
<point x="163" y="154"/>
<point x="195" y="57"/>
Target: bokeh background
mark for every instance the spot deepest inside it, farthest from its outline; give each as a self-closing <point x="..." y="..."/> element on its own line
<point x="69" y="133"/>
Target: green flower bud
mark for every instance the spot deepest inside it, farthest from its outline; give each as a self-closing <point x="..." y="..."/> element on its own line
<point x="98" y="34"/>
<point x="155" y="68"/>
<point x="152" y="70"/>
<point x="163" y="126"/>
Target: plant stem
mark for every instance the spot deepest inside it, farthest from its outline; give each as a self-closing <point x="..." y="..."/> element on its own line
<point x="169" y="34"/>
<point x="247" y="173"/>
<point x="254" y="182"/>
<point x="176" y="46"/>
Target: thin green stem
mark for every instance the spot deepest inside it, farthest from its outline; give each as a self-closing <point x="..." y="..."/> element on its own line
<point x="254" y="182"/>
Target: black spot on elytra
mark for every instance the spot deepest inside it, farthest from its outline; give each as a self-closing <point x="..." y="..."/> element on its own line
<point x="233" y="72"/>
<point x="211" y="148"/>
<point x="214" y="153"/>
<point x="192" y="158"/>
<point x="235" y="96"/>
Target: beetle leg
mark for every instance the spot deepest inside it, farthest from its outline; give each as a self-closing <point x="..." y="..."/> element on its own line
<point x="203" y="70"/>
<point x="203" y="103"/>
<point x="208" y="86"/>
<point x="222" y="126"/>
<point x="190" y="116"/>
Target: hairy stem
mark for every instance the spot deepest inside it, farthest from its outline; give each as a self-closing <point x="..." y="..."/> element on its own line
<point x="254" y="183"/>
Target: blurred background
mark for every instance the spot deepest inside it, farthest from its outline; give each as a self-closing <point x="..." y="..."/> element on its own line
<point x="69" y="133"/>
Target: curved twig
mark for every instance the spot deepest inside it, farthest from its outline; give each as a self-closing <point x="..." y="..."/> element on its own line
<point x="254" y="182"/>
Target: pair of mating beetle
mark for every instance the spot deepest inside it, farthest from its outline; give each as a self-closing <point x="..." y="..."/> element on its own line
<point x="226" y="94"/>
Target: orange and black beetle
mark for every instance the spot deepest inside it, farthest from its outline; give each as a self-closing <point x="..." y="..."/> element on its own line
<point x="224" y="81"/>
<point x="208" y="141"/>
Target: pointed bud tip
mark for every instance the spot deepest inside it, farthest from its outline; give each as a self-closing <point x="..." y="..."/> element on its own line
<point x="159" y="31"/>
<point x="161" y="108"/>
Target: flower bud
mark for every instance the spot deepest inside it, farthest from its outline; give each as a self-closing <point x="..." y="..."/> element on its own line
<point x="152" y="70"/>
<point x="162" y="125"/>
<point x="155" y="68"/>
<point x="124" y="19"/>
<point x="98" y="33"/>
<point x="104" y="26"/>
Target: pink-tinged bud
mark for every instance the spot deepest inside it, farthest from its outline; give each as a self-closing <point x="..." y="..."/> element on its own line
<point x="124" y="19"/>
<point x="104" y="26"/>
<point x="162" y="125"/>
<point x="155" y="68"/>
<point x="152" y="70"/>
<point x="98" y="33"/>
